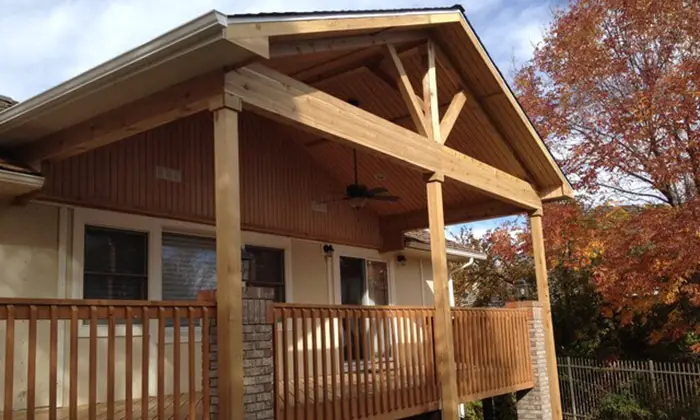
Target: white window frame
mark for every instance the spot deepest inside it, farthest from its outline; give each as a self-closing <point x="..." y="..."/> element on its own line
<point x="155" y="227"/>
<point x="368" y="255"/>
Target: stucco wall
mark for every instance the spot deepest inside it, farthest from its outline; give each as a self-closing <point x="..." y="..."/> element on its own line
<point x="309" y="273"/>
<point x="28" y="268"/>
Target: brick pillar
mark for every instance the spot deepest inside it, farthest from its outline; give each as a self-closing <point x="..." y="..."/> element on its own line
<point x="534" y="404"/>
<point x="257" y="356"/>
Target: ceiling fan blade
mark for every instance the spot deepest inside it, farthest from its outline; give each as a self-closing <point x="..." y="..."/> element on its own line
<point x="378" y="190"/>
<point x="332" y="198"/>
<point x="384" y="198"/>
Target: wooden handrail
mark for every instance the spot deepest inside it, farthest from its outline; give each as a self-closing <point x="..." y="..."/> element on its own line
<point x="336" y="362"/>
<point x="492" y="351"/>
<point x="97" y="324"/>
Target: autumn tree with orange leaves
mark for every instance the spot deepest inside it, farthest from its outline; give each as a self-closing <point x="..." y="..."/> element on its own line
<point x="614" y="90"/>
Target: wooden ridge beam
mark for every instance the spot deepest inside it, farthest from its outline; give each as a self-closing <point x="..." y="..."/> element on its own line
<point x="344" y="43"/>
<point x="407" y="92"/>
<point x="454" y="214"/>
<point x="285" y="99"/>
<point x="178" y="101"/>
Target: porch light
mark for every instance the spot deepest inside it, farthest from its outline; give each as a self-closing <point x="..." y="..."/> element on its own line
<point x="246" y="264"/>
<point x="401" y="259"/>
<point x="522" y="288"/>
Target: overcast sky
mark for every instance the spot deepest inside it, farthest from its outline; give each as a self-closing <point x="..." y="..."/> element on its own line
<point x="45" y="42"/>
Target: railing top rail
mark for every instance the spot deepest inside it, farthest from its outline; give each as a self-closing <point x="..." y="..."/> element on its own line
<point x="351" y="307"/>
<point x="105" y="303"/>
<point x="491" y="310"/>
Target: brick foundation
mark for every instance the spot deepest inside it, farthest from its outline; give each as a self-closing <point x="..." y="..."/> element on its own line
<point x="534" y="404"/>
<point x="257" y="356"/>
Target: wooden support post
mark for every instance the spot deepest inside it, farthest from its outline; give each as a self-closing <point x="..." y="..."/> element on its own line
<point x="228" y="258"/>
<point x="543" y="297"/>
<point x="444" y="342"/>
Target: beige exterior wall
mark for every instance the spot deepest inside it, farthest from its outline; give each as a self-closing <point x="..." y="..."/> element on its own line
<point x="309" y="282"/>
<point x="28" y="268"/>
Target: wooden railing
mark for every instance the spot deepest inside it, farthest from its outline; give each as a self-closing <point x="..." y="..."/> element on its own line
<point x="98" y="350"/>
<point x="492" y="351"/>
<point x="341" y="362"/>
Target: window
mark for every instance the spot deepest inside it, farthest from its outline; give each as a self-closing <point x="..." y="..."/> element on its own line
<point x="267" y="269"/>
<point x="189" y="265"/>
<point x="115" y="264"/>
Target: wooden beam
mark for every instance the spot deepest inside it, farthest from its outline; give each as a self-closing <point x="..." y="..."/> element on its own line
<point x="278" y="96"/>
<point x="276" y="27"/>
<point x="430" y="96"/>
<point x="344" y="43"/>
<point x="381" y="72"/>
<point x="489" y="124"/>
<point x="444" y="340"/>
<point x="259" y="45"/>
<point x="407" y="92"/>
<point x="318" y="73"/>
<point x="543" y="297"/>
<point x="454" y="214"/>
<point x="451" y="115"/>
<point x="162" y="107"/>
<point x="228" y="263"/>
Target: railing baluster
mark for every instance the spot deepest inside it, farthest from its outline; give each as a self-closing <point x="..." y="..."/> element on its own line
<point x="305" y="362"/>
<point x="384" y="364"/>
<point x="53" y="368"/>
<point x="111" y="333"/>
<point x="176" y="363"/>
<point x="334" y="349"/>
<point x="295" y="361"/>
<point x="161" y="363"/>
<point x="347" y="370"/>
<point x="129" y="348"/>
<point x="358" y="376"/>
<point x="92" y="357"/>
<point x="31" y="364"/>
<point x="314" y="354"/>
<point x="9" y="361"/>
<point x="73" y="392"/>
<point x="324" y="367"/>
<point x="365" y="353"/>
<point x="372" y="354"/>
<point x="285" y="365"/>
<point x="206" y="324"/>
<point x="192" y="412"/>
<point x="145" y="347"/>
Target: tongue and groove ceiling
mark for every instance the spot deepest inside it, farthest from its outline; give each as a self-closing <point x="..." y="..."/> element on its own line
<point x="353" y="75"/>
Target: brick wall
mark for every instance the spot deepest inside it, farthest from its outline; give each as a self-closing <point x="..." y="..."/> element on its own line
<point x="534" y="404"/>
<point x="257" y="356"/>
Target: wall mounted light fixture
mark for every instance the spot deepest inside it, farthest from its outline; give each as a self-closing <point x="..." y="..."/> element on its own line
<point x="401" y="259"/>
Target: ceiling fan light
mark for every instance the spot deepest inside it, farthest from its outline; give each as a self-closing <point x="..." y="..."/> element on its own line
<point x="357" y="202"/>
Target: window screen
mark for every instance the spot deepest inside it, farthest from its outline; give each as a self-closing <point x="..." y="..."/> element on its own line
<point x="115" y="264"/>
<point x="189" y="265"/>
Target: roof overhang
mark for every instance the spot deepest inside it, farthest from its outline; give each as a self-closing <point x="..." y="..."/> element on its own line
<point x="451" y="251"/>
<point x="215" y="41"/>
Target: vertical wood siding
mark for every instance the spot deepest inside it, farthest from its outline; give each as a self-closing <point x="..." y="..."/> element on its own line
<point x="279" y="181"/>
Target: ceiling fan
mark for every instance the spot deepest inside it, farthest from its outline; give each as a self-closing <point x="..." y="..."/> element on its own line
<point x="357" y="194"/>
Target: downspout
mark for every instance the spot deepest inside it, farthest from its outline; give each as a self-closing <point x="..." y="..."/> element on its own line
<point x="450" y="283"/>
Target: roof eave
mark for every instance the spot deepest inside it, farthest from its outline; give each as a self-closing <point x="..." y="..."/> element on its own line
<point x="197" y="31"/>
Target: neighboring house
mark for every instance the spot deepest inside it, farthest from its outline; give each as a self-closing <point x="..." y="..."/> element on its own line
<point x="212" y="157"/>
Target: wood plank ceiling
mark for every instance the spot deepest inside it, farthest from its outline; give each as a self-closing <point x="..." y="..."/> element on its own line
<point x="348" y="75"/>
